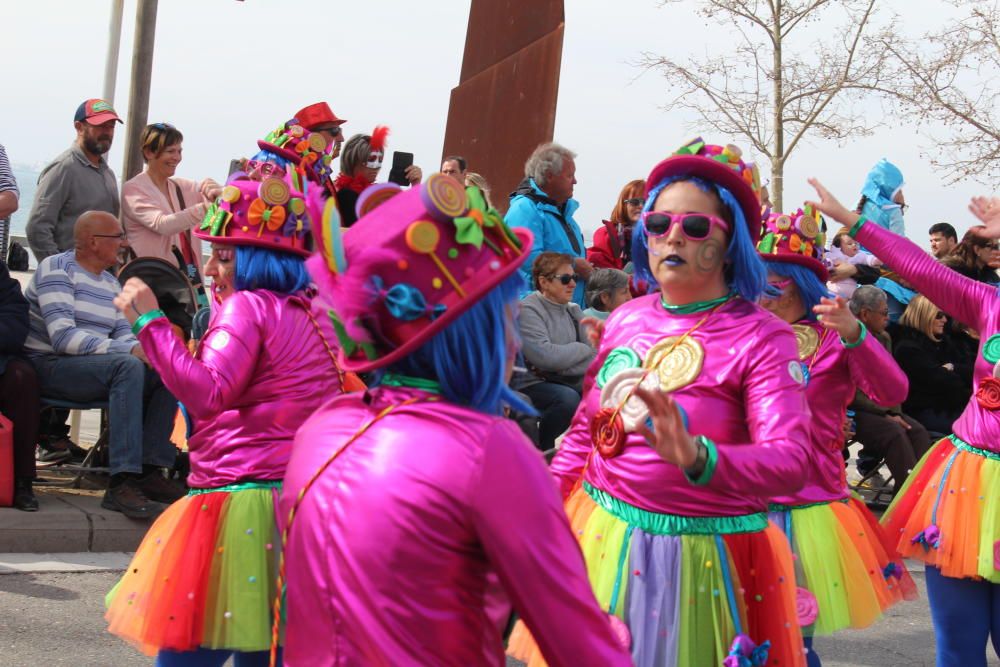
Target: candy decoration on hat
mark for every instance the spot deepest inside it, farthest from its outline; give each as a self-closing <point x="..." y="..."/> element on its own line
<point x="423" y="237"/>
<point x="374" y="195"/>
<point x="330" y="233"/>
<point x="794" y="238"/>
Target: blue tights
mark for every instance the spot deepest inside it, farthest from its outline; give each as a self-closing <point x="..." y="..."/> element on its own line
<point x="210" y="657"/>
<point x="812" y="657"/>
<point x="965" y="613"/>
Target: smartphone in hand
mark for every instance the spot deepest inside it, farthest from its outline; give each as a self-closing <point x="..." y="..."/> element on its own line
<point x="400" y="161"/>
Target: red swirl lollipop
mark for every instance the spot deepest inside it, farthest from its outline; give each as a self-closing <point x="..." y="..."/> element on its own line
<point x="608" y="432"/>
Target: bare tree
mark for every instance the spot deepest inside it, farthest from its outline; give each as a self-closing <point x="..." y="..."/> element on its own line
<point x="770" y="95"/>
<point x="949" y="83"/>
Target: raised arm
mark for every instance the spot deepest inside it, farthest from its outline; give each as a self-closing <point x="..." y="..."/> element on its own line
<point x="539" y="564"/>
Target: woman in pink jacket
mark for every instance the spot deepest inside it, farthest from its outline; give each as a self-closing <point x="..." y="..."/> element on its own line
<point x="848" y="570"/>
<point x="669" y="501"/>
<point x="417" y="513"/>
<point x="947" y="514"/>
<point x="202" y="583"/>
<point x="159" y="210"/>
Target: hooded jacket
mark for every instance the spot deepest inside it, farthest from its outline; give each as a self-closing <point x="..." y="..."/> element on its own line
<point x="552" y="225"/>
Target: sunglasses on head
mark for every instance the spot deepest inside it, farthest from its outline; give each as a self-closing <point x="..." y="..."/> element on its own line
<point x="695" y="226"/>
<point x="566" y="278"/>
<point x="634" y="201"/>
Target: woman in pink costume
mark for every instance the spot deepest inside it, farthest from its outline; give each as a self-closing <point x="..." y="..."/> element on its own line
<point x="947" y="514"/>
<point x="202" y="583"/>
<point x="846" y="567"/>
<point x="676" y="535"/>
<point x="413" y="508"/>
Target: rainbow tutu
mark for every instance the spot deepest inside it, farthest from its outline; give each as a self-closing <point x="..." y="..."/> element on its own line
<point x="846" y="568"/>
<point x="204" y="575"/>
<point x="948" y="512"/>
<point x="686" y="587"/>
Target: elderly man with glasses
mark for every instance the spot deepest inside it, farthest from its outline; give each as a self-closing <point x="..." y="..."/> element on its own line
<point x="84" y="352"/>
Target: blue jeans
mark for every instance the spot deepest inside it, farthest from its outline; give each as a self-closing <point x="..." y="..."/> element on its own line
<point x="208" y="657"/>
<point x="556" y="404"/>
<point x="965" y="613"/>
<point x="140" y="409"/>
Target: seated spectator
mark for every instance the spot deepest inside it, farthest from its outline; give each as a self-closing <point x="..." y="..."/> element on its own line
<point x="83" y="350"/>
<point x="606" y="290"/>
<point x="159" y="210"/>
<point x="612" y="248"/>
<point x="845" y="250"/>
<point x="940" y="385"/>
<point x="18" y="388"/>
<point x="886" y="433"/>
<point x="359" y="167"/>
<point x="943" y="239"/>
<point x="972" y="258"/>
<point x="554" y="345"/>
<point x="472" y="178"/>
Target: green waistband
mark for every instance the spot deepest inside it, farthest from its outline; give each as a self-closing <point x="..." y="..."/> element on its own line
<point x="239" y="486"/>
<point x="672" y="524"/>
<point x="962" y="444"/>
<point x="775" y="507"/>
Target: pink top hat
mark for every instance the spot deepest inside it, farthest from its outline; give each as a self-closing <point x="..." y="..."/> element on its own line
<point x="794" y="238"/>
<point x="717" y="164"/>
<point x="410" y="266"/>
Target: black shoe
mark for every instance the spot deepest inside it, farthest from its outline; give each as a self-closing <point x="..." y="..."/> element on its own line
<point x="24" y="496"/>
<point x="51" y="456"/>
<point x="157" y="487"/>
<point x="76" y="452"/>
<point x="129" y="499"/>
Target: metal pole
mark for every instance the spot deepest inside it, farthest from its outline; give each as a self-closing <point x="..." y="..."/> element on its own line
<point x="138" y="98"/>
<point x="114" y="46"/>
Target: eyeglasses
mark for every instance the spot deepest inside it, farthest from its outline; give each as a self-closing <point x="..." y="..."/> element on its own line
<point x="566" y="278"/>
<point x="940" y="316"/>
<point x="634" y="201"/>
<point x="695" y="226"/>
<point x="120" y="237"/>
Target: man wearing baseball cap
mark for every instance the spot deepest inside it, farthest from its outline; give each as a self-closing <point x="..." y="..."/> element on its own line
<point x="320" y="118"/>
<point x="79" y="180"/>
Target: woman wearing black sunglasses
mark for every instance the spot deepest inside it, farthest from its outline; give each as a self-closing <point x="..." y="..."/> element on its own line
<point x="692" y="414"/>
<point x="554" y="345"/>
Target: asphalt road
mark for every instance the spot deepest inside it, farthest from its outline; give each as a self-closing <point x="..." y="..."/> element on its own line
<point x="55" y="619"/>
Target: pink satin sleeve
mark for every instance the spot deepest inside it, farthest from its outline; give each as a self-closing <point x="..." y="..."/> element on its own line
<point x="777" y="419"/>
<point x="225" y="364"/>
<point x="524" y="532"/>
<point x="876" y="373"/>
<point x="960" y="297"/>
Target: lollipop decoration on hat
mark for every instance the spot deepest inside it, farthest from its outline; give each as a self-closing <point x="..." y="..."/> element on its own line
<point x="401" y="274"/>
<point x="795" y="238"/>
<point x="308" y="153"/>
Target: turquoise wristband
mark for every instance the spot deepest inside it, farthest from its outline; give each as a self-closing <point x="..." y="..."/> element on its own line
<point x="711" y="459"/>
<point x="861" y="337"/>
<point x="145" y="319"/>
<point x="853" y="232"/>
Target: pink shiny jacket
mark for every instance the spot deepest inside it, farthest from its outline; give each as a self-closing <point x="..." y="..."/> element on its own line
<point x="401" y="551"/>
<point x="835" y="371"/>
<point x="260" y="371"/>
<point x="969" y="301"/>
<point x="748" y="399"/>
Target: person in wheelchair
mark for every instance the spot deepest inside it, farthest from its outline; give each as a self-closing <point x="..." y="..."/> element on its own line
<point x="84" y="351"/>
<point x="885" y="432"/>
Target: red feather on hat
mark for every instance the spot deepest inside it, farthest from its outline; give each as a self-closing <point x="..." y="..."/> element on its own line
<point x="379" y="136"/>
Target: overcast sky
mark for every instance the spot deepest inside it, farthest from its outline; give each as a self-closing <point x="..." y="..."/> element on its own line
<point x="225" y="72"/>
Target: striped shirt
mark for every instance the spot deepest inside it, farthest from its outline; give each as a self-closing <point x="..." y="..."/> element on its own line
<point x="7" y="181"/>
<point x="72" y="310"/>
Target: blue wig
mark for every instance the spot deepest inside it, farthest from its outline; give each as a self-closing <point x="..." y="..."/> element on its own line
<point x="469" y="356"/>
<point x="273" y="270"/>
<point x="811" y="290"/>
<point x="745" y="273"/>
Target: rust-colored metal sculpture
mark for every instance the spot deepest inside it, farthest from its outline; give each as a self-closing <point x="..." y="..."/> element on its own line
<point x="505" y="103"/>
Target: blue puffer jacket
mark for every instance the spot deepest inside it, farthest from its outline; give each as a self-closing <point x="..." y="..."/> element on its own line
<point x="555" y="230"/>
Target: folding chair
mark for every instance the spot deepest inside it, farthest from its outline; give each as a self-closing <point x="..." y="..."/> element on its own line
<point x="96" y="454"/>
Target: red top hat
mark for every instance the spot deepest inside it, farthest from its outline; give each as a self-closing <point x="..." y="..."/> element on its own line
<point x="317" y="114"/>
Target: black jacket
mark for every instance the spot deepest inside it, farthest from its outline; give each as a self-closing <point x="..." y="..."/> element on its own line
<point x="13" y="317"/>
<point x="932" y="385"/>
